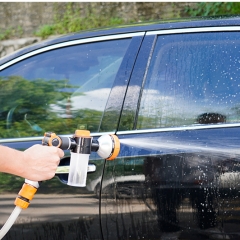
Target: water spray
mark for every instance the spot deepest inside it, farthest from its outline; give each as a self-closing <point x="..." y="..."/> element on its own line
<point x="81" y="144"/>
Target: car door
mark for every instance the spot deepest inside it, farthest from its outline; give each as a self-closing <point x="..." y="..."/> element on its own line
<point x="60" y="88"/>
<point x="177" y="175"/>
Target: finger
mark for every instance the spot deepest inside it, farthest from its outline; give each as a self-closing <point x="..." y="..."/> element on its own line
<point x="60" y="153"/>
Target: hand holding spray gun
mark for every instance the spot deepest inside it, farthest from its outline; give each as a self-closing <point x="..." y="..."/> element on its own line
<point x="80" y="145"/>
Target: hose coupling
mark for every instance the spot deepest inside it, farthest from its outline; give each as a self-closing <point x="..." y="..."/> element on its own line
<point x="26" y="194"/>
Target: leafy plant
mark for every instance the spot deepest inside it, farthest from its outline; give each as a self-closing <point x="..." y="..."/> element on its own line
<point x="45" y="31"/>
<point x="213" y="9"/>
<point x="5" y="34"/>
<point x="11" y="33"/>
<point x="71" y="21"/>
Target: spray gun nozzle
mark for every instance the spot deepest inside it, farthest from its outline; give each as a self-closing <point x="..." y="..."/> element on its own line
<point x="107" y="146"/>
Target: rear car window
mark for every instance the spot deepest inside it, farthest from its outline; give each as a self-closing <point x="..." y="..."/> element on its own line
<point x="193" y="79"/>
<point x="60" y="90"/>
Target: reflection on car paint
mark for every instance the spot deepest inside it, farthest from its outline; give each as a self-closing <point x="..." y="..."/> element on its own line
<point x="190" y="187"/>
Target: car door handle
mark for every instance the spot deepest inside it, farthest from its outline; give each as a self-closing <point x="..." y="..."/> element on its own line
<point x="65" y="169"/>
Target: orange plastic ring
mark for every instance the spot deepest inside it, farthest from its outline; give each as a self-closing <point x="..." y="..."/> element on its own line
<point x="116" y="147"/>
<point x="21" y="203"/>
<point x="27" y="191"/>
<point x="82" y="133"/>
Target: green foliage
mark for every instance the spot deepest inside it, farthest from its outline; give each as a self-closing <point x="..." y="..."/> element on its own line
<point x="10" y="183"/>
<point x="71" y="21"/>
<point x="127" y="119"/>
<point x="5" y="34"/>
<point x="45" y="31"/>
<point x="11" y="33"/>
<point x="30" y="108"/>
<point x="214" y="9"/>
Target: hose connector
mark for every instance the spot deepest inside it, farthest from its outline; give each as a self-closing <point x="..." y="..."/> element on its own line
<point x="26" y="194"/>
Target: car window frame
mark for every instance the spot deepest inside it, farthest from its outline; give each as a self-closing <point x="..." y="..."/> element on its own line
<point x="121" y="83"/>
<point x="137" y="35"/>
<point x="140" y="82"/>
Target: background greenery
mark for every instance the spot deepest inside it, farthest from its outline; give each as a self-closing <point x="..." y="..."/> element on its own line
<point x="214" y="9"/>
<point x="72" y="22"/>
<point x="70" y="19"/>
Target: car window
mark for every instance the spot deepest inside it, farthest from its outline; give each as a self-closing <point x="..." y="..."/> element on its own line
<point x="192" y="79"/>
<point x="59" y="90"/>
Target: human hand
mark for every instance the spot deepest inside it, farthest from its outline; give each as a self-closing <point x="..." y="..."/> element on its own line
<point x="40" y="162"/>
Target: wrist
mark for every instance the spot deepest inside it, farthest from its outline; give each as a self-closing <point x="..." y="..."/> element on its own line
<point x="11" y="161"/>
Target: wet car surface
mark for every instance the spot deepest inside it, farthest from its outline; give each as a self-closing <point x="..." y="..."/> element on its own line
<point x="170" y="92"/>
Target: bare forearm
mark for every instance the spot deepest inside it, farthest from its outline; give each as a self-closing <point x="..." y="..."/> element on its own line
<point x="37" y="163"/>
<point x="11" y="161"/>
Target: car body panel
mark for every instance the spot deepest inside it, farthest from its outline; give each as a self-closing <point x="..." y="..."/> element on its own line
<point x="180" y="183"/>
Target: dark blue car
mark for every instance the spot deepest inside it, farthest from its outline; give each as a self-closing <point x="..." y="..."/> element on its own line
<point x="171" y="93"/>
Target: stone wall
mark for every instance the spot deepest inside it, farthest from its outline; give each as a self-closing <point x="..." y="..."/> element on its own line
<point x="29" y="16"/>
<point x="9" y="46"/>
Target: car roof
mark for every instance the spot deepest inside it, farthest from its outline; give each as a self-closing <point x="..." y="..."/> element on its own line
<point x="130" y="28"/>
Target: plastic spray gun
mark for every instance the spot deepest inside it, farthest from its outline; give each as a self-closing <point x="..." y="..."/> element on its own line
<point x="81" y="144"/>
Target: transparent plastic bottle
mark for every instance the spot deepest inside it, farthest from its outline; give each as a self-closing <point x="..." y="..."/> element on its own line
<point x="78" y="169"/>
